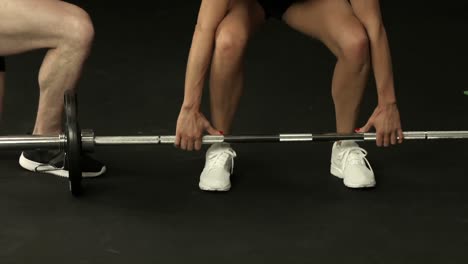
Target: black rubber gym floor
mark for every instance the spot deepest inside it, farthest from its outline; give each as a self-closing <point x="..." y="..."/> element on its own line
<point x="284" y="206"/>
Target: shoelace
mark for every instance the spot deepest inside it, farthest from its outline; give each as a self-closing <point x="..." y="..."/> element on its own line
<point x="354" y="155"/>
<point x="219" y="158"/>
<point x="60" y="157"/>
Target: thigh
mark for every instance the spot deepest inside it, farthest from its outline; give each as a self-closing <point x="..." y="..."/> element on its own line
<point x="330" y="21"/>
<point x="32" y="24"/>
<point x="242" y="20"/>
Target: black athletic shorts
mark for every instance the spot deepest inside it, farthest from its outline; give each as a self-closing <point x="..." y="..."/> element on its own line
<point x="276" y="8"/>
<point x="2" y="64"/>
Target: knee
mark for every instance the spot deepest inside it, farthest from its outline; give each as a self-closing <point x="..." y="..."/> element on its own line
<point x="355" y="47"/>
<point x="78" y="30"/>
<point x="230" y="44"/>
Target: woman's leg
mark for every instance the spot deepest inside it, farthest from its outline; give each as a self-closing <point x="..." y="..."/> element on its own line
<point x="226" y="80"/>
<point x="226" y="84"/>
<point x="334" y="23"/>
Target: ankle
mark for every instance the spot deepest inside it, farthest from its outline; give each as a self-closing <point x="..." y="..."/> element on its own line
<point x="345" y="143"/>
<point x="222" y="145"/>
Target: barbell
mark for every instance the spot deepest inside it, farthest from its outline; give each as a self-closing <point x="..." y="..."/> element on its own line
<point x="74" y="141"/>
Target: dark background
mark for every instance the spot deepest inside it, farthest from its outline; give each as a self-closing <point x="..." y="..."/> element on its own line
<point x="284" y="205"/>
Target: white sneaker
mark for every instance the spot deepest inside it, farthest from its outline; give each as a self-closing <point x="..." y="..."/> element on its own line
<point x="219" y="166"/>
<point x="348" y="162"/>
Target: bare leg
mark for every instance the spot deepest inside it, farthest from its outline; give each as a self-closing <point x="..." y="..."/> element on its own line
<point x="226" y="81"/>
<point x="334" y="23"/>
<point x="66" y="31"/>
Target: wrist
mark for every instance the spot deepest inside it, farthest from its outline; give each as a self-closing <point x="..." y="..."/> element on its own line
<point x="386" y="91"/>
<point x="190" y="106"/>
<point x="387" y="101"/>
<point x="387" y="97"/>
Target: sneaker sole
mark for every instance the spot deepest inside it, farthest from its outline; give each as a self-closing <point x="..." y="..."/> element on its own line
<point x="337" y="173"/>
<point x="32" y="165"/>
<point x="211" y="189"/>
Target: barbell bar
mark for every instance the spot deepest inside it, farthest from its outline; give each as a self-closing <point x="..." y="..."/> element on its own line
<point x="73" y="141"/>
<point x="89" y="141"/>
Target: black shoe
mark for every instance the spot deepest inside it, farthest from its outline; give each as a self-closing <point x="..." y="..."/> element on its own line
<point x="52" y="162"/>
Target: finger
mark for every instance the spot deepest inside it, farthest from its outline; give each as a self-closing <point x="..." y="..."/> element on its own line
<point x="190" y="146"/>
<point x="401" y="135"/>
<point x="198" y="144"/>
<point x="394" y="138"/>
<point x="183" y="144"/>
<point x="177" y="141"/>
<point x="366" y="127"/>
<point x="211" y="130"/>
<point x="190" y="143"/>
<point x="379" y="139"/>
<point x="387" y="139"/>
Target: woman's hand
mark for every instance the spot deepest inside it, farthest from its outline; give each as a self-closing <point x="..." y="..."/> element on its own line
<point x="386" y="120"/>
<point x="190" y="127"/>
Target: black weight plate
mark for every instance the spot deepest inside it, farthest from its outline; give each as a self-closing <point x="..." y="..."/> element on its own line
<point x="73" y="148"/>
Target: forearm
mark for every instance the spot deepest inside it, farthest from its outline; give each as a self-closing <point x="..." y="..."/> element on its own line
<point x="382" y="64"/>
<point x="198" y="63"/>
